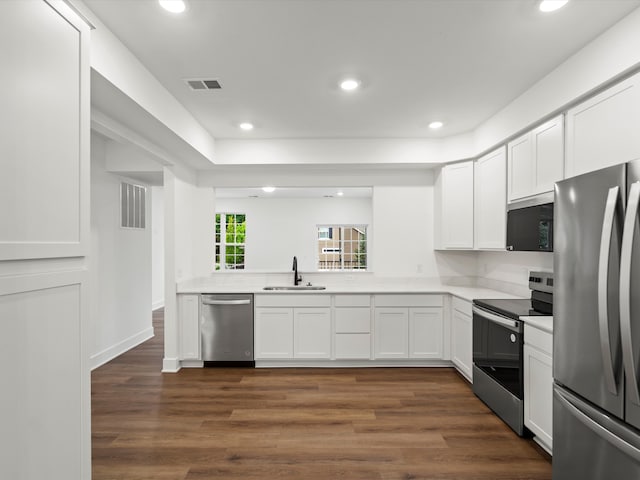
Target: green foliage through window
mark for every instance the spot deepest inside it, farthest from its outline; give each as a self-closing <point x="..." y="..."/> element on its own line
<point x="230" y="241"/>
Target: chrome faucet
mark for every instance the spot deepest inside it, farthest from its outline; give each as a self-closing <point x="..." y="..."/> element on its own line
<point x="296" y="278"/>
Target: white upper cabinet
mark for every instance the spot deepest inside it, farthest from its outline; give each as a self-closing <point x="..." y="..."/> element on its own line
<point x="457" y="205"/>
<point x="490" y="211"/>
<point x="603" y="130"/>
<point x="536" y="160"/>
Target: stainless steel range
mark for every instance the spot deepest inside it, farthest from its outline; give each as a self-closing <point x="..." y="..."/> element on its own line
<point x="498" y="325"/>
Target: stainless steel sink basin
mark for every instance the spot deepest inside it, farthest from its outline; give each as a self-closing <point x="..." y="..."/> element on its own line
<point x="297" y="287"/>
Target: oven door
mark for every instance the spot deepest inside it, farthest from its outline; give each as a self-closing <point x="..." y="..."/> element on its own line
<point x="497" y="349"/>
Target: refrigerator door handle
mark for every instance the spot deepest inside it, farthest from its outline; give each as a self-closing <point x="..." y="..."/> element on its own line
<point x="603" y="289"/>
<point x="577" y="407"/>
<point x="626" y="252"/>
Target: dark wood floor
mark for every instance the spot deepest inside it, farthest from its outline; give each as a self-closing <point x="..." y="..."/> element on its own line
<point x="296" y="424"/>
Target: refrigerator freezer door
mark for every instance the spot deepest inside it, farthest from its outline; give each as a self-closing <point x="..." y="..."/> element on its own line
<point x="581" y="355"/>
<point x="630" y="298"/>
<point x="590" y="445"/>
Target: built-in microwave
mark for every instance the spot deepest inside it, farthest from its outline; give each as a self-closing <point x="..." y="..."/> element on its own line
<point x="530" y="228"/>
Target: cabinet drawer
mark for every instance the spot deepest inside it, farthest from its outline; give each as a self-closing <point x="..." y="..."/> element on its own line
<point x="539" y="339"/>
<point x="353" y="300"/>
<point x="463" y="306"/>
<point x="353" y="345"/>
<point x="295" y="300"/>
<point x="353" y="320"/>
<point x="408" y="300"/>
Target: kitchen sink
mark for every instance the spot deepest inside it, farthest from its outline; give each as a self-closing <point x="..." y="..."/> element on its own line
<point x="296" y="287"/>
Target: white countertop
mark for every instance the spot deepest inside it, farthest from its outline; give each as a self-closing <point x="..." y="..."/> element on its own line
<point x="542" y="323"/>
<point x="207" y="285"/>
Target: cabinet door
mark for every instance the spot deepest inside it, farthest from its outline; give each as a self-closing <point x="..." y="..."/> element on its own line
<point x="189" y="321"/>
<point x="391" y="333"/>
<point x="274" y="333"/>
<point x="353" y="346"/>
<point x="425" y="333"/>
<point x="538" y="394"/>
<point x="603" y="130"/>
<point x="520" y="163"/>
<point x="490" y="223"/>
<point x="457" y="205"/>
<point x="312" y="333"/>
<point x="548" y="145"/>
<point x="353" y="320"/>
<point x="461" y="342"/>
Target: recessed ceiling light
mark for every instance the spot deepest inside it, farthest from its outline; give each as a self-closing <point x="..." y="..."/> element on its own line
<point x="349" y="84"/>
<point x="340" y="194"/>
<point x="551" y="5"/>
<point x="173" y="6"/>
<point x="246" y="126"/>
<point x="435" y="125"/>
<point x="268" y="189"/>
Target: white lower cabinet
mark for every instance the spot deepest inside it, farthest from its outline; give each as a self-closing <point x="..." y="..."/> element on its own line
<point x="311" y="333"/>
<point x="350" y="327"/>
<point x="292" y="326"/>
<point x="408" y="326"/>
<point x="353" y="330"/>
<point x="273" y="333"/>
<point x="391" y="333"/>
<point x="189" y="326"/>
<point x="462" y="337"/>
<point x="426" y="328"/>
<point x="538" y="384"/>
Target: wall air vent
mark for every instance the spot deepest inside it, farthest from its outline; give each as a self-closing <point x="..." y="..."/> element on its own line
<point x="201" y="84"/>
<point x="132" y="206"/>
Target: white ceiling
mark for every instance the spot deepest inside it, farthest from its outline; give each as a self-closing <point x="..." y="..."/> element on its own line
<point x="279" y="61"/>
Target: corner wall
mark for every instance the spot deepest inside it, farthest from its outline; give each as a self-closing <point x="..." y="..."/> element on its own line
<point x="157" y="247"/>
<point x="189" y="233"/>
<point x="119" y="266"/>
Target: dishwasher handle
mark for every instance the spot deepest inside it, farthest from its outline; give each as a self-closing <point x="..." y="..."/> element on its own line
<point x="244" y="301"/>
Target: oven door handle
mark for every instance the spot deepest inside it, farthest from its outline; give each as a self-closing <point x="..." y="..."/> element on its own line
<point x="492" y="317"/>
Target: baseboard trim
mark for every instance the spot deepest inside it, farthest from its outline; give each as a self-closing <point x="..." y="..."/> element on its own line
<point x="170" y="365"/>
<point x="118" y="349"/>
<point x="157" y="305"/>
<point x="298" y="363"/>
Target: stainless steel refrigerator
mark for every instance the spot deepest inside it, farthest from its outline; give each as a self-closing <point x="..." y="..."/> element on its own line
<point x="596" y="344"/>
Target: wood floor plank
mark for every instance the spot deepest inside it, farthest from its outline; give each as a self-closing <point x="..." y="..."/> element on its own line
<point x="294" y="423"/>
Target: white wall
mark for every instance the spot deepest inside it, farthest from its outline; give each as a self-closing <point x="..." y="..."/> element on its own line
<point x="119" y="266"/>
<point x="403" y="240"/>
<point x="279" y="228"/>
<point x="502" y="270"/>
<point x="189" y="214"/>
<point x="343" y="151"/>
<point x="157" y="247"/>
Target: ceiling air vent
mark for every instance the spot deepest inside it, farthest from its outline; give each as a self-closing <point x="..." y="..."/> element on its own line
<point x="203" y="84"/>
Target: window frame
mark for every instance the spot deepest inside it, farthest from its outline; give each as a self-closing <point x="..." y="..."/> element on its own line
<point x="220" y="247"/>
<point x="341" y="251"/>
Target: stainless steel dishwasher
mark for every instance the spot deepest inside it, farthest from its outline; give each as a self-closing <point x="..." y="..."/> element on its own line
<point x="226" y="329"/>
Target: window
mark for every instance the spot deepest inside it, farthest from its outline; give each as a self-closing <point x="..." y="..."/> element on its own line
<point x="342" y="247"/>
<point x="230" y="241"/>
